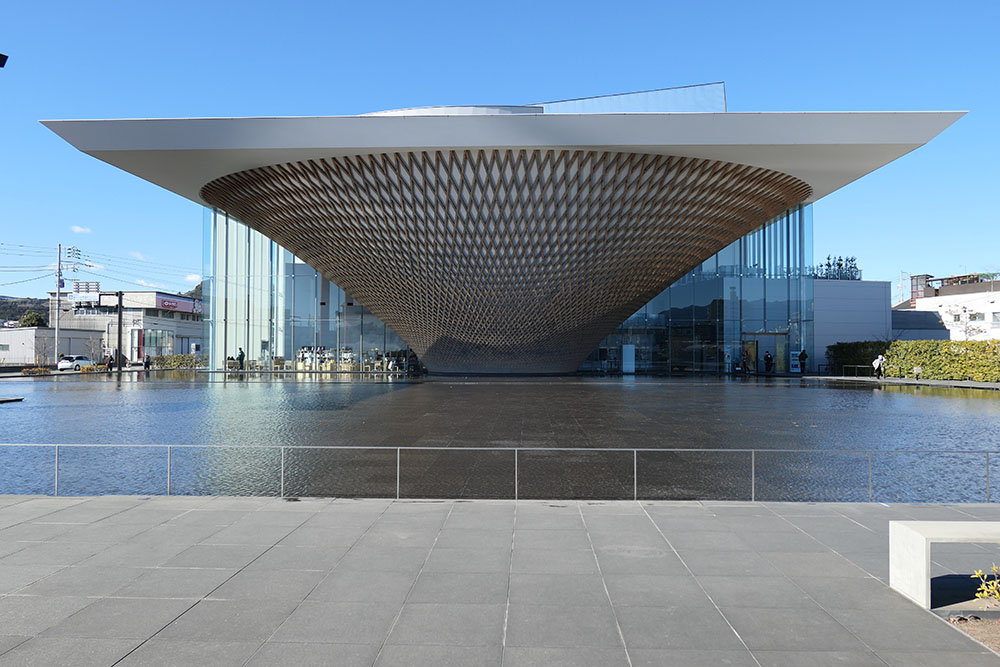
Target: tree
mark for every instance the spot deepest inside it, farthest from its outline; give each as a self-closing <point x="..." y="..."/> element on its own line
<point x="961" y="321"/>
<point x="31" y="319"/>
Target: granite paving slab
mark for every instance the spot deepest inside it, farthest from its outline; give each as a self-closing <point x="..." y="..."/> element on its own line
<point x="261" y="581"/>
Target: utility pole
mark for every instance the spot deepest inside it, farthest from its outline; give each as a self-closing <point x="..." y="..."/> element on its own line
<point x="119" y="351"/>
<point x="59" y="284"/>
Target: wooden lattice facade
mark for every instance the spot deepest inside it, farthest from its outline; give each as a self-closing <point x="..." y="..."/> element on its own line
<point x="504" y="261"/>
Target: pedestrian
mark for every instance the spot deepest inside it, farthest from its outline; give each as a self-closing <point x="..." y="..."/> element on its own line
<point x="729" y="363"/>
<point x="109" y="362"/>
<point x="240" y="357"/>
<point x="768" y="362"/>
<point x="802" y="361"/>
<point x="879" y="365"/>
<point x="146" y="363"/>
<point x="745" y="363"/>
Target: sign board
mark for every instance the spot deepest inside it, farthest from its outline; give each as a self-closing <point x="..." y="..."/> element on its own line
<point x="90" y="297"/>
<point x="628" y="358"/>
<point x="794" y="365"/>
<point x="177" y="304"/>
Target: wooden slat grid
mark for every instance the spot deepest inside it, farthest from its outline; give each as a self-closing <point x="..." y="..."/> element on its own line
<point x="504" y="261"/>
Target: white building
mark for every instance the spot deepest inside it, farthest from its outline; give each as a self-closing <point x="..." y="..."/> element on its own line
<point x="969" y="305"/>
<point x="26" y="346"/>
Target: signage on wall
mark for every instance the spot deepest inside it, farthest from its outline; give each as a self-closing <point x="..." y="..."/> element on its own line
<point x="178" y="305"/>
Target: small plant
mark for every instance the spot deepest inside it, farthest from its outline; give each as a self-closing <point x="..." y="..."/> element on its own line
<point x="989" y="586"/>
<point x="35" y="371"/>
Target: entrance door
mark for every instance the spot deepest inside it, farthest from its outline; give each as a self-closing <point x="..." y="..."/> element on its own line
<point x="759" y="344"/>
<point x="748" y="355"/>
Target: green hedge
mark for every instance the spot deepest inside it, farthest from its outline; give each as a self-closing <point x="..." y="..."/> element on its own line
<point x="859" y="353"/>
<point x="171" y="361"/>
<point x="945" y="359"/>
<point x="937" y="359"/>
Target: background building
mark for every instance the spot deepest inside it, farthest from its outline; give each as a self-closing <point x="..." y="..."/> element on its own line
<point x="27" y="346"/>
<point x="153" y="323"/>
<point x="968" y="305"/>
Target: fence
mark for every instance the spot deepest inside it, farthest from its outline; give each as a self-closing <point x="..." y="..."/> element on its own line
<point x="512" y="473"/>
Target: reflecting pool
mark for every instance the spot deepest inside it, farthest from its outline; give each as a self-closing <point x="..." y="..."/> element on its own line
<point x="576" y="437"/>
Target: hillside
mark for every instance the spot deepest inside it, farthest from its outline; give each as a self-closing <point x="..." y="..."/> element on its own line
<point x="12" y="308"/>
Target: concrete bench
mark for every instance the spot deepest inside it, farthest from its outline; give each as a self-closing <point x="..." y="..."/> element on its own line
<point x="910" y="551"/>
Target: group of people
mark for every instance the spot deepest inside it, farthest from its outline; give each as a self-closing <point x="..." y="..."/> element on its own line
<point x="747" y="364"/>
<point x="109" y="362"/>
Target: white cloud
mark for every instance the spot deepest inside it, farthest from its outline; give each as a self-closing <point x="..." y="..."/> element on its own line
<point x="148" y="284"/>
<point x="192" y="278"/>
<point x="77" y="229"/>
<point x="137" y="255"/>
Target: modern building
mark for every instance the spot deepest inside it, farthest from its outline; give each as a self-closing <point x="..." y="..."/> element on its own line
<point x="153" y="323"/>
<point x="649" y="231"/>
<point x="968" y="305"/>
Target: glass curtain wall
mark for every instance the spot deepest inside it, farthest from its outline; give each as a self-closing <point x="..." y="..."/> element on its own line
<point x="752" y="299"/>
<point x="281" y="312"/>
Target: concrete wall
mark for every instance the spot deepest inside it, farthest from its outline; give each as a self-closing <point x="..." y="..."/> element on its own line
<point x="23" y="345"/>
<point x="850" y="310"/>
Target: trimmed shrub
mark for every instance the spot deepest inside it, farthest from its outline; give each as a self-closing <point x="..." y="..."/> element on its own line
<point x="35" y="371"/>
<point x="858" y="353"/>
<point x="172" y="361"/>
<point x="977" y="360"/>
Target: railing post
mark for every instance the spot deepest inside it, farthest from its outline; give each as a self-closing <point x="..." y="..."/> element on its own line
<point x="282" y="472"/>
<point x="56" y="491"/>
<point x="397" y="473"/>
<point x="168" y="470"/>
<point x="870" y="495"/>
<point x="753" y="475"/>
<point x="635" y="476"/>
<point x="515" y="473"/>
<point x="987" y="477"/>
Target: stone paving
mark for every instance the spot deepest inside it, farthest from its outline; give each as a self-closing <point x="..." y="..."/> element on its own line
<point x="254" y="581"/>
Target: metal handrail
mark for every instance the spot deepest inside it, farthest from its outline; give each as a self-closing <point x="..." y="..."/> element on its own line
<point x="634" y="451"/>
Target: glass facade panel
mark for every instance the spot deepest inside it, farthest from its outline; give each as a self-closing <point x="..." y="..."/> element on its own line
<point x="752" y="298"/>
<point x="281" y="312"/>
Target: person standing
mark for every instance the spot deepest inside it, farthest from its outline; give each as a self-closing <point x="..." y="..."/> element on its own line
<point x="768" y="362"/>
<point x="802" y="361"/>
<point x="240" y="357"/>
<point x="879" y="365"/>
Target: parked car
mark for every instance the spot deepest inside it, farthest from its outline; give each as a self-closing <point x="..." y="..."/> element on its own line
<point x="73" y="362"/>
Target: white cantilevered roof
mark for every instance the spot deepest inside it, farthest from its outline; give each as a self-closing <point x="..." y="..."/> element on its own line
<point x="827" y="150"/>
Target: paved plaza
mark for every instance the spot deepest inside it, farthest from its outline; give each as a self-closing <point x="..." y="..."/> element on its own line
<point x="260" y="581"/>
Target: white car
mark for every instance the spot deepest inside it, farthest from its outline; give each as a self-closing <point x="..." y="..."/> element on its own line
<point x="74" y="363"/>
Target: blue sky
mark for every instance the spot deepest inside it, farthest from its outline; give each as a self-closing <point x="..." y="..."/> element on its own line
<point x="933" y="211"/>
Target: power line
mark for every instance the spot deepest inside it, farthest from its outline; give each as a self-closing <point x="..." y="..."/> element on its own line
<point x="28" y="280"/>
<point x="136" y="260"/>
<point x="112" y="276"/>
